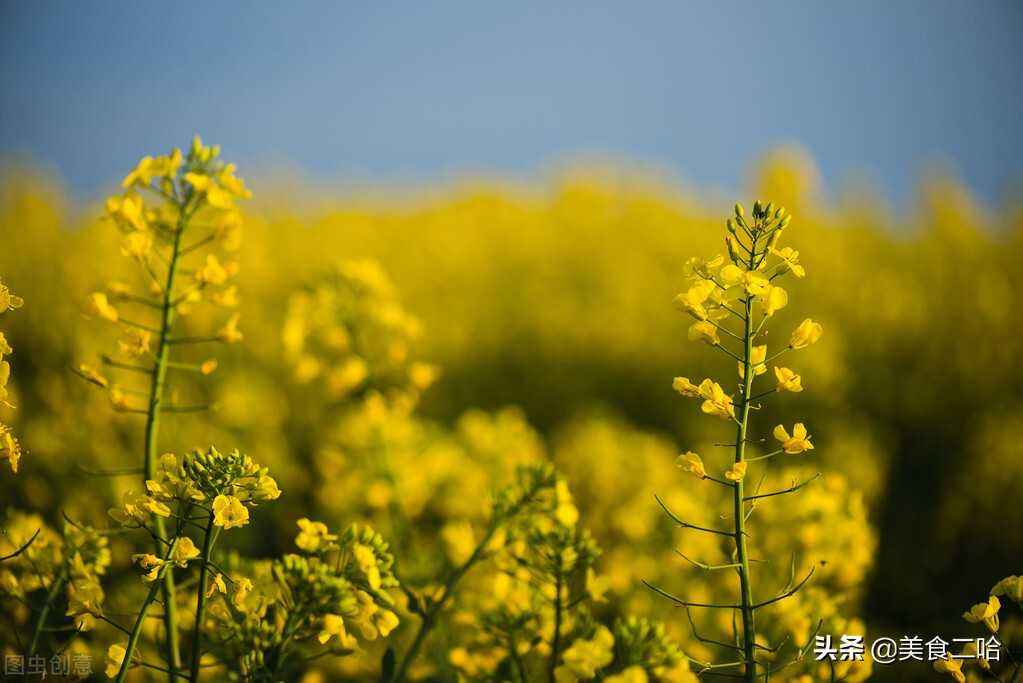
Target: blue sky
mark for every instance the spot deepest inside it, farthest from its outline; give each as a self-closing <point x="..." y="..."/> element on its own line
<point x="425" y="91"/>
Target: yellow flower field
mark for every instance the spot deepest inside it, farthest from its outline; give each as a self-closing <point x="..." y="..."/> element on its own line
<point x="494" y="432"/>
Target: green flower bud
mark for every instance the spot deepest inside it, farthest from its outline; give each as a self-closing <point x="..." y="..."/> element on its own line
<point x="739" y="211"/>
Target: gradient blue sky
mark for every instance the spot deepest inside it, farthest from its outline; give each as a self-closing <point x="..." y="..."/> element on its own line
<point x="418" y="91"/>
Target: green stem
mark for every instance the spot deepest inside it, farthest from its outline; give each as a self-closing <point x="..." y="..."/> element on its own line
<point x="58" y="583"/>
<point x="200" y="601"/>
<point x="556" y="640"/>
<point x="152" y="434"/>
<point x="739" y="513"/>
<point x="136" y="630"/>
<point x="433" y="611"/>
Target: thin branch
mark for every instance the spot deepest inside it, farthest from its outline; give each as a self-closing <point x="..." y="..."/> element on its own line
<point x="687" y="525"/>
<point x="791" y="489"/>
<point x="22" y="549"/>
<point x="683" y="603"/>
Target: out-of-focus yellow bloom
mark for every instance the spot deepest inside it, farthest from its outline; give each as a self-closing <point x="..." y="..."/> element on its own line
<point x="115" y="658"/>
<point x="128" y="212"/>
<point x="334" y="625"/>
<point x="1011" y="587"/>
<point x="232" y="184"/>
<point x="212" y="272"/>
<point x="597" y="586"/>
<point x="206" y="187"/>
<point x="986" y="612"/>
<point x="795" y="443"/>
<point x="184" y="551"/>
<point x="634" y="674"/>
<point x="229" y="512"/>
<point x="230" y="333"/>
<point x="807" y="333"/>
<point x="704" y="331"/>
<point x="98" y="306"/>
<point x="367" y="561"/>
<point x="737" y="472"/>
<point x="8" y="301"/>
<point x="952" y="667"/>
<point x="10" y="448"/>
<point x="313" y="536"/>
<point x="565" y="510"/>
<point x="715" y="400"/>
<point x="208" y="366"/>
<point x="135" y="342"/>
<point x="788" y="380"/>
<point x="459" y="541"/>
<point x="90" y="375"/>
<point x="582" y="659"/>
<point x="691" y="462"/>
<point x="217" y="585"/>
<point x="137" y="245"/>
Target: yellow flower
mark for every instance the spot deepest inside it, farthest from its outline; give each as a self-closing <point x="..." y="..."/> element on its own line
<point x="737" y="471"/>
<point x="8" y="301"/>
<point x="683" y="386"/>
<point x="952" y="667"/>
<point x="597" y="586"/>
<point x="135" y="342"/>
<point x="10" y="449"/>
<point x="115" y="657"/>
<point x="788" y="380"/>
<point x="702" y="268"/>
<point x="704" y="331"/>
<point x="367" y="561"/>
<point x="142" y="174"/>
<point x="5" y="376"/>
<point x="208" y="366"/>
<point x="150" y="564"/>
<point x="98" y="306"/>
<point x="692" y="299"/>
<point x="90" y="375"/>
<point x="565" y="511"/>
<point x="5" y="348"/>
<point x="795" y="443"/>
<point x="242" y="588"/>
<point x="1011" y="587"/>
<point x="334" y="625"/>
<point x="230" y="333"/>
<point x="756" y="359"/>
<point x="217" y="585"/>
<point x="773" y="299"/>
<point x="789" y="261"/>
<point x="807" y="333"/>
<point x="137" y="245"/>
<point x="584" y="657"/>
<point x="204" y="186"/>
<point x="459" y="541"/>
<point x="231" y="183"/>
<point x="184" y="550"/>
<point x="385" y="621"/>
<point x="313" y="536"/>
<point x="986" y="612"/>
<point x="716" y="401"/>
<point x="212" y="273"/>
<point x="634" y="674"/>
<point x="229" y="512"/>
<point x="201" y="153"/>
<point x="691" y="462"/>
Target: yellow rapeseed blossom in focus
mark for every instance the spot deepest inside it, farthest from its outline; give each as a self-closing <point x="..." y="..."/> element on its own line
<point x="229" y="512"/>
<point x="737" y="472"/>
<point x="691" y="462"/>
<point x="788" y="380"/>
<point x="683" y="386"/>
<point x="806" y="334"/>
<point x="184" y="551"/>
<point x="716" y="401"/>
<point x="773" y="299"/>
<point x="794" y="443"/>
<point x="986" y="613"/>
<point x="757" y="356"/>
<point x="150" y="564"/>
<point x="10" y="448"/>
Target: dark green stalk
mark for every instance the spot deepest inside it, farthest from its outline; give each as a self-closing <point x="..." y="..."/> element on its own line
<point x="200" y="601"/>
<point x="152" y="434"/>
<point x="51" y="595"/>
<point x="136" y="630"/>
<point x="738" y="511"/>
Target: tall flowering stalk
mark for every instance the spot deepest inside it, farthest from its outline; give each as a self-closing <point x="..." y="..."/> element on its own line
<point x="732" y="302"/>
<point x="195" y="196"/>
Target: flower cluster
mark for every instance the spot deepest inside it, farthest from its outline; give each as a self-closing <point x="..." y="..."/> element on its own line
<point x="10" y="448"/>
<point x="988" y="613"/>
